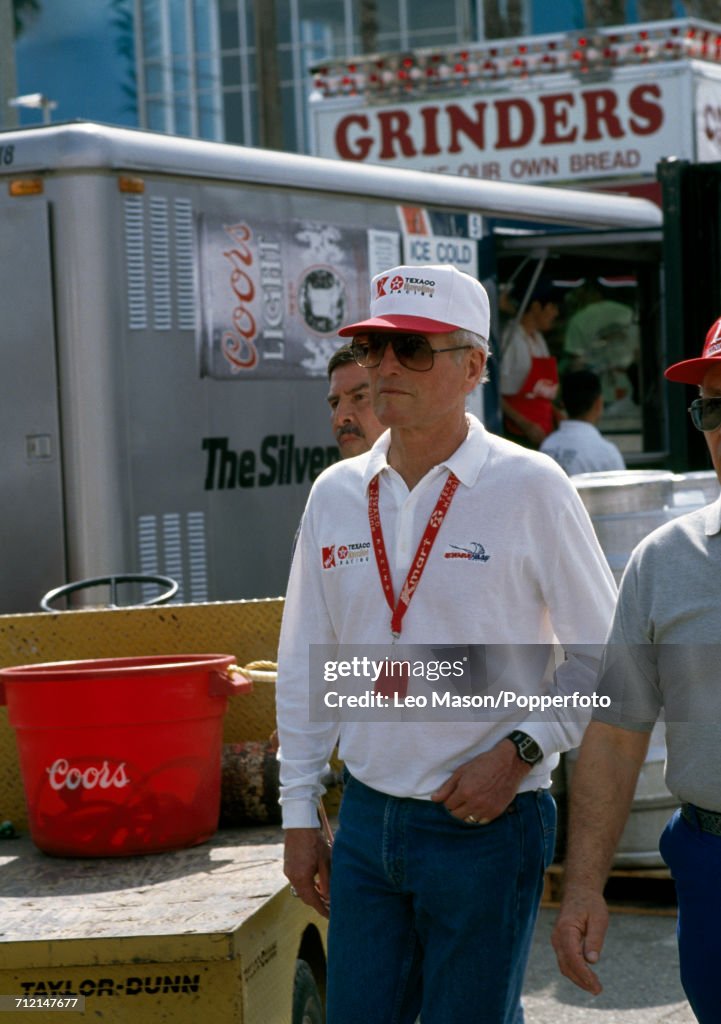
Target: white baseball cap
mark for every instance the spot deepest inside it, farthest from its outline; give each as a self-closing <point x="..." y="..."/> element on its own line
<point x="428" y="299"/>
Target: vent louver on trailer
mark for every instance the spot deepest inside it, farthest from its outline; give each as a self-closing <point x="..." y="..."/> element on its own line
<point x="164" y="243"/>
<point x="160" y="264"/>
<point x="184" y="264"/>
<point x="135" y="259"/>
<point x="174" y="545"/>
<point x="197" y="556"/>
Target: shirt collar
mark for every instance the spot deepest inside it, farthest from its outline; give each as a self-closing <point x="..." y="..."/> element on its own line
<point x="377" y="458"/>
<point x="465" y="462"/>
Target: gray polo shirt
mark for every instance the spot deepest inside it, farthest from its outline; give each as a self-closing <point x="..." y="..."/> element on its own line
<point x="664" y="651"/>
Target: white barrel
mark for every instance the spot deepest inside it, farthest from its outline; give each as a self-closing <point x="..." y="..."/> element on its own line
<point x="693" y="489"/>
<point x="626" y="505"/>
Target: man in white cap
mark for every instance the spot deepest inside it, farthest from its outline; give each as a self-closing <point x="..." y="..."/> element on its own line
<point x="662" y="658"/>
<point x="442" y="534"/>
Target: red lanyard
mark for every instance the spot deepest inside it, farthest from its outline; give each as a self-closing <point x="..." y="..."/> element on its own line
<point x="424" y="549"/>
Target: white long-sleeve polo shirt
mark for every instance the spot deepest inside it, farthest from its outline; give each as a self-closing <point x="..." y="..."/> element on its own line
<point x="542" y="578"/>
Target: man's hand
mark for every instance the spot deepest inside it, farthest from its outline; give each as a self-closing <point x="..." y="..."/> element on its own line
<point x="485" y="786"/>
<point x="307" y="866"/>
<point x="602" y="788"/>
<point x="578" y="936"/>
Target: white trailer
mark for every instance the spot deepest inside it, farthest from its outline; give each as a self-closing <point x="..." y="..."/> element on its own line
<point x="168" y="309"/>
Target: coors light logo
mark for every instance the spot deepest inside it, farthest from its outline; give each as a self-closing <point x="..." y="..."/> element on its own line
<point x="63" y="776"/>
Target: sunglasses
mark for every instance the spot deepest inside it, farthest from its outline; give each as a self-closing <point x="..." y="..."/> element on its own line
<point x="706" y="414"/>
<point x="413" y="351"/>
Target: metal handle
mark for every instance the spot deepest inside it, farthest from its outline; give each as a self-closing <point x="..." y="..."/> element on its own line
<point x="97" y="581"/>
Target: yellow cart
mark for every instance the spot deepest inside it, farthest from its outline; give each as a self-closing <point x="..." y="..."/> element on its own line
<point x="206" y="933"/>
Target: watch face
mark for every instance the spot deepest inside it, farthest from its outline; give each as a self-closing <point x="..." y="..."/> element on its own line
<point x="528" y="750"/>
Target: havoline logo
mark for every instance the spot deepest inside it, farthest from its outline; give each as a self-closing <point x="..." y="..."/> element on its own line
<point x="278" y="461"/>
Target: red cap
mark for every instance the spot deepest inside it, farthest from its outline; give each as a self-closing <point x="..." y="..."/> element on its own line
<point x="693" y="371"/>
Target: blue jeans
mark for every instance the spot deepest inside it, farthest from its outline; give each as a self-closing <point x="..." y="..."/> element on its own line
<point x="431" y="915"/>
<point x="694" y="858"/>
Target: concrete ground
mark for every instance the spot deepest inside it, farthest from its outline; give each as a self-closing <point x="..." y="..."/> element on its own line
<point x="638" y="969"/>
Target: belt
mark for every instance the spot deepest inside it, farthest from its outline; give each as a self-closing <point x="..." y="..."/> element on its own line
<point x="707" y="821"/>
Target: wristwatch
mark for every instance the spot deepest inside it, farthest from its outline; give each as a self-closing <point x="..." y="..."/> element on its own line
<point x="526" y="747"/>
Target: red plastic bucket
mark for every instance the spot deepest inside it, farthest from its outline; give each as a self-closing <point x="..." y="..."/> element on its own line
<point x="121" y="756"/>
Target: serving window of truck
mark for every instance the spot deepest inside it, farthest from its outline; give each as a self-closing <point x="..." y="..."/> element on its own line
<point x="610" y="321"/>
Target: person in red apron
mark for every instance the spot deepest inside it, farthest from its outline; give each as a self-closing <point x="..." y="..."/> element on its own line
<point x="529" y="374"/>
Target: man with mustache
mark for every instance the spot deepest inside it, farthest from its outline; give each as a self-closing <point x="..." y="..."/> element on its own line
<point x="352" y="418"/>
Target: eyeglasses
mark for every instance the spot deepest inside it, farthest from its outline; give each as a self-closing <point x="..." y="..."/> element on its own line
<point x="706" y="414"/>
<point x="411" y="350"/>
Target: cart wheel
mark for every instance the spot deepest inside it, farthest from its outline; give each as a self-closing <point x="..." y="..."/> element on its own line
<point x="307" y="1005"/>
<point x="171" y="588"/>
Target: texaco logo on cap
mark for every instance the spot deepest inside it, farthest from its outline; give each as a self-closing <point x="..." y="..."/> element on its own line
<point x="713" y="342"/>
<point x="397" y="283"/>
